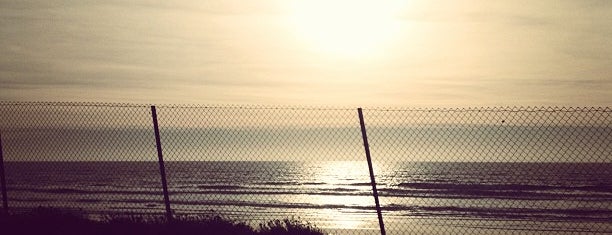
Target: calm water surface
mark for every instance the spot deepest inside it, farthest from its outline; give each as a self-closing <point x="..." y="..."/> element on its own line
<point x="335" y="195"/>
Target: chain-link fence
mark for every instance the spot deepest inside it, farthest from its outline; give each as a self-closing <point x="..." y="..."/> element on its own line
<point x="94" y="157"/>
<point x="467" y="171"/>
<point x="437" y="171"/>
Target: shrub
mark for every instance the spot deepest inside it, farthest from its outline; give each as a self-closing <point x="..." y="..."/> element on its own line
<point x="44" y="220"/>
<point x="288" y="226"/>
<point x="55" y="222"/>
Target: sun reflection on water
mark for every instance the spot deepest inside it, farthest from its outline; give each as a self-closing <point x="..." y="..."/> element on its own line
<point x="353" y="210"/>
<point x="342" y="172"/>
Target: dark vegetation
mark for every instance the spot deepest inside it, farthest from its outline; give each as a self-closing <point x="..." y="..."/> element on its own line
<point x="54" y="221"/>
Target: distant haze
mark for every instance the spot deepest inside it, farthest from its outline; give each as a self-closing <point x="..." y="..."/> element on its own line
<point x="428" y="144"/>
<point x="116" y="133"/>
<point x="348" y="53"/>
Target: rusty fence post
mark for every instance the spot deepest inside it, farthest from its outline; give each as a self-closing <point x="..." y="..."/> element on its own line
<point x="372" y="179"/>
<point x="3" y="179"/>
<point x="162" y="168"/>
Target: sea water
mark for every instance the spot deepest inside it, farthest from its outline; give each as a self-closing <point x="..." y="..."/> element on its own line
<point x="415" y="197"/>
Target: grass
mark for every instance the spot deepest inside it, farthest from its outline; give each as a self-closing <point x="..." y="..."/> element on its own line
<point x="54" y="221"/>
<point x="288" y="226"/>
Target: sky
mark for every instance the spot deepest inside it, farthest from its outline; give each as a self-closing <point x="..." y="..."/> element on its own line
<point x="419" y="53"/>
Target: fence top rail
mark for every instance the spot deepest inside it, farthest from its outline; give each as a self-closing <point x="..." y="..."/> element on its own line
<point x="544" y="109"/>
<point x="72" y="104"/>
<point x="253" y="107"/>
<point x="171" y="106"/>
<point x="570" y="109"/>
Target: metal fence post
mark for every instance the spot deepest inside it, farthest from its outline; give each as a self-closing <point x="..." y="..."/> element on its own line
<point x="162" y="168"/>
<point x="3" y="179"/>
<point x="372" y="180"/>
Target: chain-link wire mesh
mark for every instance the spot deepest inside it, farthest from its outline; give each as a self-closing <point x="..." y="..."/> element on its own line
<point x="261" y="163"/>
<point x="438" y="171"/>
<point x="98" y="158"/>
<point x="493" y="170"/>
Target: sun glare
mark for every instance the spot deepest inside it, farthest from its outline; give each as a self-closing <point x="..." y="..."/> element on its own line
<point x="346" y="28"/>
<point x="344" y="174"/>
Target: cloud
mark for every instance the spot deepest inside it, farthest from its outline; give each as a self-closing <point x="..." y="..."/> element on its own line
<point x="463" y="52"/>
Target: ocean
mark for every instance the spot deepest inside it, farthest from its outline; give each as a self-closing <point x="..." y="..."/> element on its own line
<point x="416" y="197"/>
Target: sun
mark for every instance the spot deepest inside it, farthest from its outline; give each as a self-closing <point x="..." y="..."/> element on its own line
<point x="345" y="28"/>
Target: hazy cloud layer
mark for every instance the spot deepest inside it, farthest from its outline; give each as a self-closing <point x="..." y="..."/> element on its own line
<point x="447" y="53"/>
